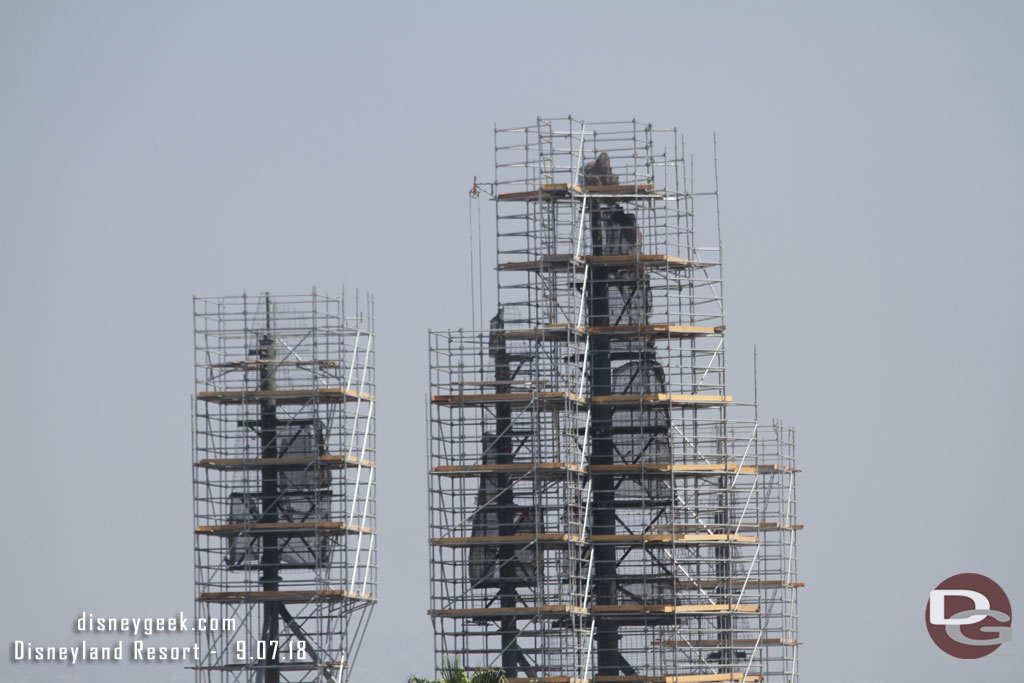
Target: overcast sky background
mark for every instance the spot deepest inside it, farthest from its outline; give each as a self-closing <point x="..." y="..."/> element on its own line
<point x="871" y="181"/>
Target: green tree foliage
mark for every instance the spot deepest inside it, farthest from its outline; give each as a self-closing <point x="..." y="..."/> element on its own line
<point x="453" y="672"/>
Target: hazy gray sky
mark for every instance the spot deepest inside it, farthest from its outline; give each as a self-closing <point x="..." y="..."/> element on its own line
<point x="871" y="174"/>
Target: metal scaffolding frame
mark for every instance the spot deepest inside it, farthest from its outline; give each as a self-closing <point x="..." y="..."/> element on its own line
<point x="600" y="508"/>
<point x="284" y="504"/>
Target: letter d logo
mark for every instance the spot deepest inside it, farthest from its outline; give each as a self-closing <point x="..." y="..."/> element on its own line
<point x="937" y="607"/>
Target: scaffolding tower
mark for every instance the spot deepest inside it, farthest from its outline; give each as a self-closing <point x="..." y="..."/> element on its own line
<point x="283" y="455"/>
<point x="600" y="508"/>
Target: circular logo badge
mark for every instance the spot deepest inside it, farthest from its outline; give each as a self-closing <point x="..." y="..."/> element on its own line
<point x="968" y="616"/>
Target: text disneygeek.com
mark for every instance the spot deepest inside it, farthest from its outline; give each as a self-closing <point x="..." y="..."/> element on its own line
<point x="139" y="650"/>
